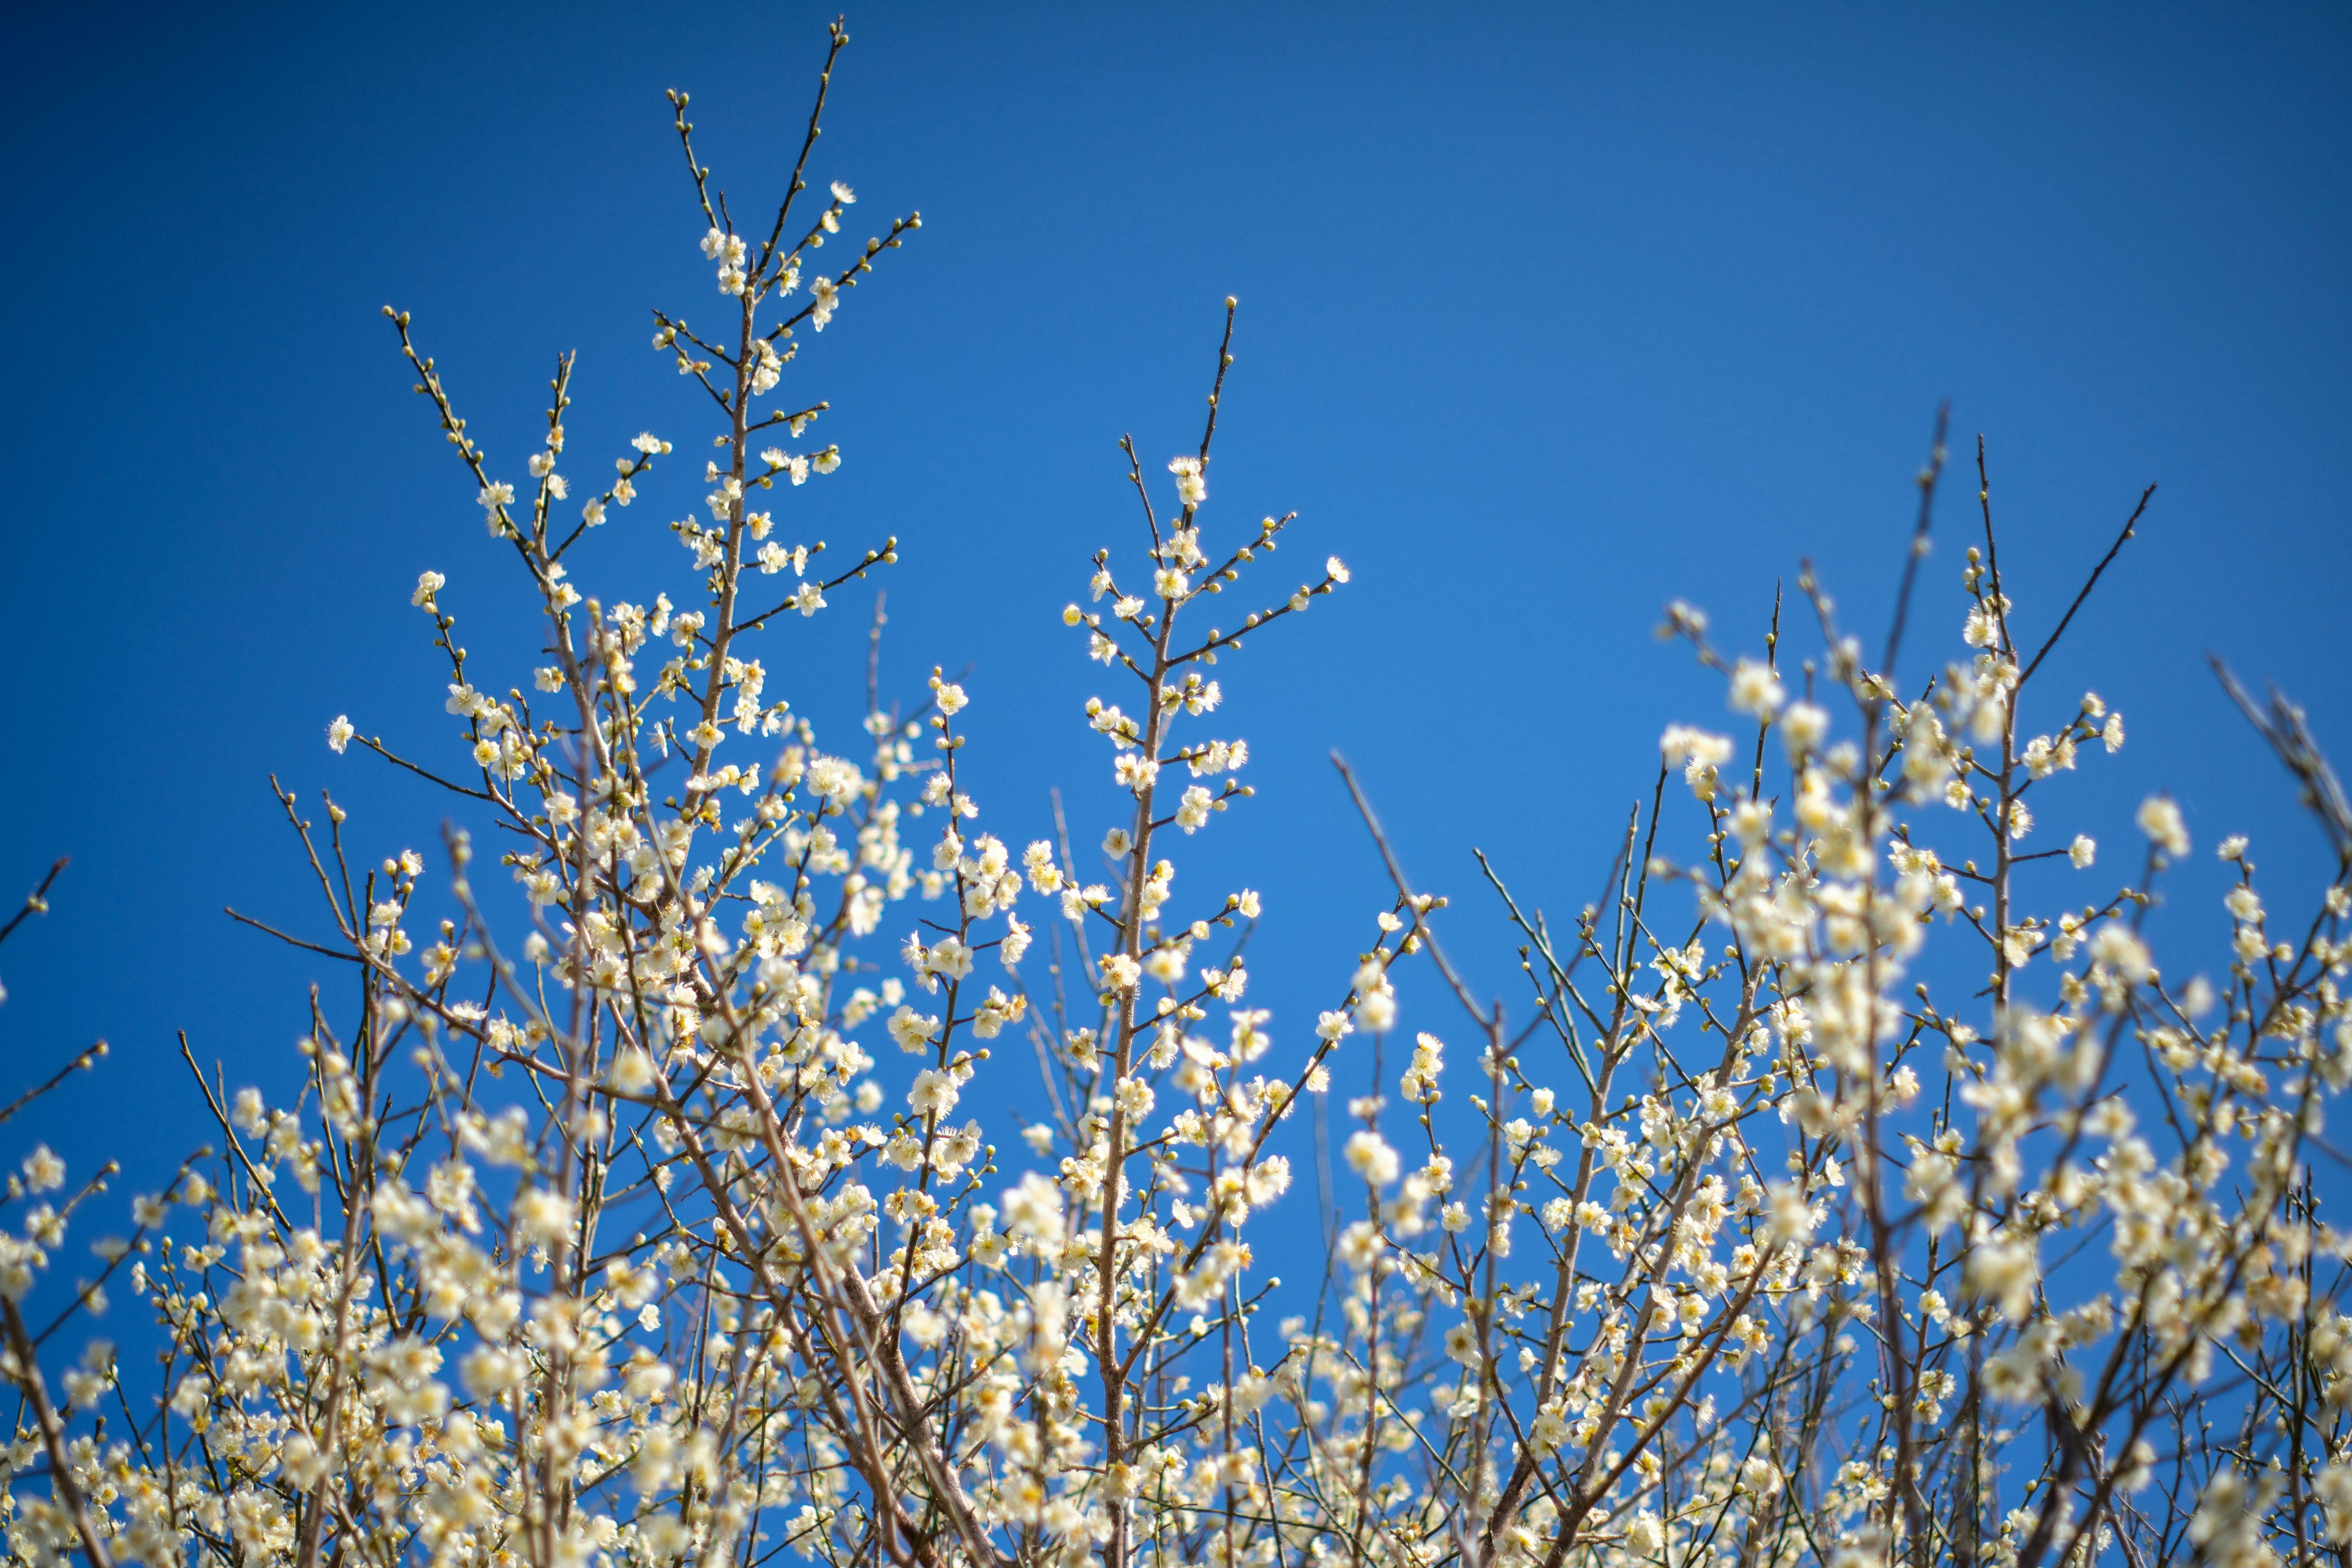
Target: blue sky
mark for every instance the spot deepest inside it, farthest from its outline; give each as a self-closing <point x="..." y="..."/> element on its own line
<point x="1549" y="314"/>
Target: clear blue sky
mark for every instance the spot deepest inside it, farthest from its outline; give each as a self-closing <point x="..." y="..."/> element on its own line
<point x="1549" y="313"/>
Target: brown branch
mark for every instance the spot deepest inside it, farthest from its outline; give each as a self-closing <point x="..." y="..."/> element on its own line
<point x="2096" y="572"/>
<point x="66" y="1490"/>
<point x="83" y="1062"/>
<point x="37" y="902"/>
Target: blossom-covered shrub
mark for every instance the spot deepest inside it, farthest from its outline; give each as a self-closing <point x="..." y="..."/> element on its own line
<point x="1849" y="1184"/>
